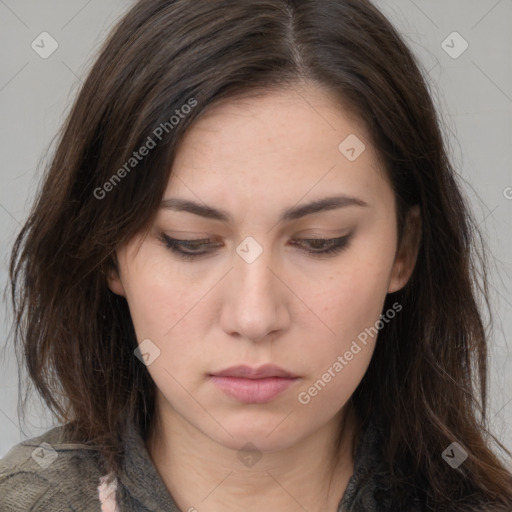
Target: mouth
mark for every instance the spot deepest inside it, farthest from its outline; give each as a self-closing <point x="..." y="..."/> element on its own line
<point x="253" y="385"/>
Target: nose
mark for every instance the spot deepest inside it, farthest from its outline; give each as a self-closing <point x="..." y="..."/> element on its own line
<point x="255" y="300"/>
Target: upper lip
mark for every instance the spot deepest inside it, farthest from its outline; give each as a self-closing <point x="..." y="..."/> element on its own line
<point x="248" y="372"/>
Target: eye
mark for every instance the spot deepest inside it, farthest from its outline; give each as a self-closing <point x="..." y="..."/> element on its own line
<point x="186" y="249"/>
<point x="191" y="249"/>
<point x="324" y="246"/>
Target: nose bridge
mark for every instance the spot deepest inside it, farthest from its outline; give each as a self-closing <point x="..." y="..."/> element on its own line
<point x="252" y="268"/>
<point x="254" y="306"/>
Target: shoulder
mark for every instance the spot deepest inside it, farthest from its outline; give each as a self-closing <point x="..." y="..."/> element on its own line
<point x="47" y="473"/>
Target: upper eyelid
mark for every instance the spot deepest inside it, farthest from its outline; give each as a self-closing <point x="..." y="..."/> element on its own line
<point x="316" y="233"/>
<point x="211" y="241"/>
<point x="333" y="246"/>
<point x="208" y="243"/>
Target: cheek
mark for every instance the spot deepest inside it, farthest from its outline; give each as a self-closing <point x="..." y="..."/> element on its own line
<point x="353" y="296"/>
<point x="168" y="313"/>
<point x="334" y="381"/>
<point x="350" y="304"/>
<point x="148" y="302"/>
<point x="158" y="298"/>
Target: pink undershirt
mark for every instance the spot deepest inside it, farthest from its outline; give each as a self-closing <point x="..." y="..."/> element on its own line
<point x="107" y="495"/>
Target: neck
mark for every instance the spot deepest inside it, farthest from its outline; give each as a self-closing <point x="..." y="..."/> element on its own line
<point x="201" y="474"/>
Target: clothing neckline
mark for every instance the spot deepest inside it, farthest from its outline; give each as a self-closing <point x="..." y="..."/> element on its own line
<point x="140" y="477"/>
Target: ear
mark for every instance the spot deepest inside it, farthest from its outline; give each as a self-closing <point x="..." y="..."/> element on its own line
<point x="407" y="253"/>
<point x="114" y="280"/>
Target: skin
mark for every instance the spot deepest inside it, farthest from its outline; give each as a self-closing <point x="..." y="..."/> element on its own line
<point x="254" y="157"/>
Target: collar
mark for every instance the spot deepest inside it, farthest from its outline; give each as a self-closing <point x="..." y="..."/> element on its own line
<point x="141" y="485"/>
<point x="139" y="480"/>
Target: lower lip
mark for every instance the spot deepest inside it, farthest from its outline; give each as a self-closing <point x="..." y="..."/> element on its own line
<point x="253" y="391"/>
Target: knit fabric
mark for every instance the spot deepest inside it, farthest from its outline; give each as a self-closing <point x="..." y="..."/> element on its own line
<point x="46" y="473"/>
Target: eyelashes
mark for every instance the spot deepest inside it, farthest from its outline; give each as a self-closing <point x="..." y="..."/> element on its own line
<point x="316" y="247"/>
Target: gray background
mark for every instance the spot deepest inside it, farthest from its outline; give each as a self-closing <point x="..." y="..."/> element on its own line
<point x="473" y="93"/>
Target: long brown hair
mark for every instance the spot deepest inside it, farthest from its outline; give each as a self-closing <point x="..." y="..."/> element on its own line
<point x="426" y="384"/>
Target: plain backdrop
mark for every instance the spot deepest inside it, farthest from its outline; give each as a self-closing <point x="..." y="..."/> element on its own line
<point x="465" y="47"/>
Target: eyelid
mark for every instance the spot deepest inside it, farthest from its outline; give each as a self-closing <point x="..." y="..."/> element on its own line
<point x="334" y="246"/>
<point x="304" y="233"/>
<point x="195" y="234"/>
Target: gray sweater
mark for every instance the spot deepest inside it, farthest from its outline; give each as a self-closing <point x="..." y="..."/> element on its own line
<point x="62" y="476"/>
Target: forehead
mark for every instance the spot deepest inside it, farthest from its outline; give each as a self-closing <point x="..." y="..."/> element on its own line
<point x="288" y="121"/>
<point x="273" y="148"/>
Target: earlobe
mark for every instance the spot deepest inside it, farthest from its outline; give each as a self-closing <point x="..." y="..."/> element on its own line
<point x="407" y="254"/>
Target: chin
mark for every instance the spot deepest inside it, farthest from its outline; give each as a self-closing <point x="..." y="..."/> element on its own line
<point x="268" y="432"/>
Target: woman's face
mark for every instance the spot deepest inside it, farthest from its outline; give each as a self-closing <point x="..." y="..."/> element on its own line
<point x="251" y="294"/>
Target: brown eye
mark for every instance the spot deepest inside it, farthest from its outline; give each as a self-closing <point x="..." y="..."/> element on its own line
<point x="188" y="249"/>
<point x="323" y="246"/>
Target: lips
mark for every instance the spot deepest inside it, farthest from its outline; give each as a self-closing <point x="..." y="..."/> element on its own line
<point x="247" y="372"/>
<point x="253" y="385"/>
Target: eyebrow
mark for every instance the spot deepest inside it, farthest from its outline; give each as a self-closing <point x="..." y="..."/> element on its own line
<point x="293" y="213"/>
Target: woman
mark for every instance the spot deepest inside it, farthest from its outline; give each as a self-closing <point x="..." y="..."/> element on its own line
<point x="248" y="281"/>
